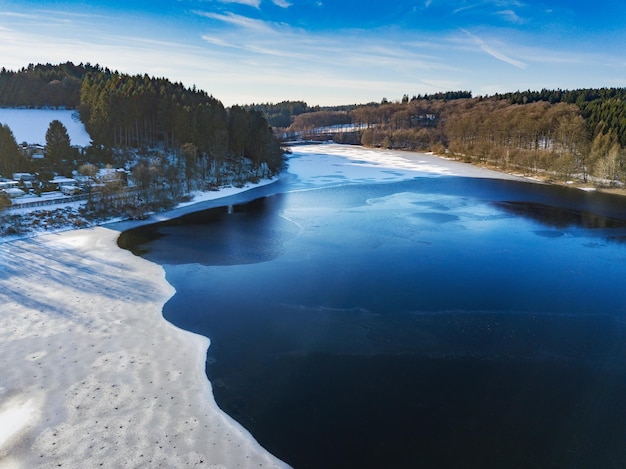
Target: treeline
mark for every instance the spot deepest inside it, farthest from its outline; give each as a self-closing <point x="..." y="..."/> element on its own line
<point x="295" y="114"/>
<point x="281" y="115"/>
<point x="535" y="137"/>
<point x="604" y="108"/>
<point x="124" y="111"/>
<point x="38" y="86"/>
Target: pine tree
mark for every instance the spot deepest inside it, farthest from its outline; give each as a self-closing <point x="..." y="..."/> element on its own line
<point x="58" y="146"/>
<point x="11" y="160"/>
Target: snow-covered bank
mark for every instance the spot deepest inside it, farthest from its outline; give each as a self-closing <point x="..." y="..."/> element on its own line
<point x="92" y="373"/>
<point x="64" y="216"/>
<point x="199" y="201"/>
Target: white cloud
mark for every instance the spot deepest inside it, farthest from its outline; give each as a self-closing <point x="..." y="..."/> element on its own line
<point x="19" y="15"/>
<point x="282" y="3"/>
<point x="510" y="16"/>
<point x="243" y="22"/>
<point x="216" y="41"/>
<point x="494" y="53"/>
<point x="252" y="3"/>
<point x="488" y="6"/>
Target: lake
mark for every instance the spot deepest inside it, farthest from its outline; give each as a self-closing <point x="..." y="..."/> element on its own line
<point x="430" y="322"/>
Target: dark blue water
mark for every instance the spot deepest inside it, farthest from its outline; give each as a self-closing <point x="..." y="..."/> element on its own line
<point x="439" y="322"/>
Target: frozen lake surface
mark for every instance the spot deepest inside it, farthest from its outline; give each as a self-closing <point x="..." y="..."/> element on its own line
<point x="425" y="320"/>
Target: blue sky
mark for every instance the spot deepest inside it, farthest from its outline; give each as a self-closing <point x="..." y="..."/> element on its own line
<point x="329" y="51"/>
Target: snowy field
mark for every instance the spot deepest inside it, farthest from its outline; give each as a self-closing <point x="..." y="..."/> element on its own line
<point x="91" y="372"/>
<point x="30" y="125"/>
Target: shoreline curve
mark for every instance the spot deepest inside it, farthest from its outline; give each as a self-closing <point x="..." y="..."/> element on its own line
<point x="93" y="374"/>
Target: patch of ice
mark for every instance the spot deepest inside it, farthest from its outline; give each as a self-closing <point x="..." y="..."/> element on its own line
<point x="367" y="165"/>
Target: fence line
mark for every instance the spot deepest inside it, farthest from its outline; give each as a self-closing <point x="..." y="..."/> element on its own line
<point x="42" y="203"/>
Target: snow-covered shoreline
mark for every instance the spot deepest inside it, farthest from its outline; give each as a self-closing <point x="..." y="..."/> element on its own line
<point x="93" y="374"/>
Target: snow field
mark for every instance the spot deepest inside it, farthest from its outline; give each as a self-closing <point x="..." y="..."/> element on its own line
<point x="30" y="125"/>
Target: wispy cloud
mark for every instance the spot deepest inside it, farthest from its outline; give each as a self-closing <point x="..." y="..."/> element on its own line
<point x="251" y="3"/>
<point x="489" y="6"/>
<point x="494" y="53"/>
<point x="216" y="41"/>
<point x="18" y="15"/>
<point x="244" y="22"/>
<point x="510" y="16"/>
<point x="257" y="3"/>
<point x="49" y="17"/>
<point x="282" y="3"/>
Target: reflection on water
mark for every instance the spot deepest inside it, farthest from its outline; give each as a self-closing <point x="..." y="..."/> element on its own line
<point x="560" y="218"/>
<point x="232" y="235"/>
<point x="434" y="323"/>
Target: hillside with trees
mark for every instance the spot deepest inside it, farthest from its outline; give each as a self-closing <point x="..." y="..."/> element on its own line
<point x="558" y="134"/>
<point x="170" y="139"/>
<point x="123" y="111"/>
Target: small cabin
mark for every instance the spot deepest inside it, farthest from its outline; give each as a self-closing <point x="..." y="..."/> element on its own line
<point x="25" y="180"/>
<point x="8" y="184"/>
<point x="13" y="192"/>
<point x="69" y="190"/>
<point x="60" y="182"/>
<point x="34" y="152"/>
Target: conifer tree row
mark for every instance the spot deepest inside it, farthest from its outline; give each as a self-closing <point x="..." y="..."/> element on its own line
<point x="121" y="110"/>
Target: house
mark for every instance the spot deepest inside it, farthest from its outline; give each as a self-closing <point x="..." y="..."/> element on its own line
<point x="34" y="152"/>
<point x="8" y="184"/>
<point x="70" y="190"/>
<point x="111" y="175"/>
<point x="25" y="180"/>
<point x="59" y="182"/>
<point x="13" y="192"/>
